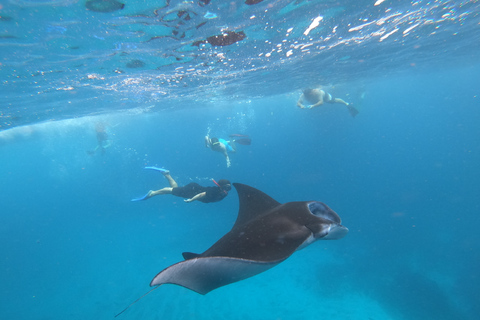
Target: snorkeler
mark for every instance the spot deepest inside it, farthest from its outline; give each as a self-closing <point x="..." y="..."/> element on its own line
<point x="317" y="97"/>
<point x="224" y="147"/>
<point x="192" y="191"/>
<point x="102" y="139"/>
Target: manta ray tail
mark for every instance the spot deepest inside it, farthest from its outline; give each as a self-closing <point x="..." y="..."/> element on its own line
<point x="131" y="304"/>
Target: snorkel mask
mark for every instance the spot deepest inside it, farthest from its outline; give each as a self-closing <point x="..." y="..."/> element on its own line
<point x="225" y="187"/>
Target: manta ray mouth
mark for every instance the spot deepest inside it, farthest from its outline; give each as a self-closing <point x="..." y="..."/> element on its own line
<point x="337" y="231"/>
<point x="328" y="232"/>
<point x="321" y="210"/>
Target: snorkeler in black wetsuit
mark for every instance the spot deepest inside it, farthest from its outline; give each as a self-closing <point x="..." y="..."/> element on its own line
<point x="192" y="191"/>
<point x="212" y="194"/>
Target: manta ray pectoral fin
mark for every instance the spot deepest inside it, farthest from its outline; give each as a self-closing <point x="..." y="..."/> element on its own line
<point x="252" y="203"/>
<point x="205" y="274"/>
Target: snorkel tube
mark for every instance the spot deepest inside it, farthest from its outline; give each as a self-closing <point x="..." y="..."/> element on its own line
<point x="219" y="186"/>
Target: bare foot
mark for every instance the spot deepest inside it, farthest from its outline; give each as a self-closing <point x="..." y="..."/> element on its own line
<point x="150" y="194"/>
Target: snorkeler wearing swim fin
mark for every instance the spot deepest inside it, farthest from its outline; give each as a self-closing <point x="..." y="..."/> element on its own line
<point x="225" y="147"/>
<point x="192" y="191"/>
<point x="317" y="97"/>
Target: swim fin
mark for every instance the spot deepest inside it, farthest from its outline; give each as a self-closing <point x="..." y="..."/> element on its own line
<point x="352" y="110"/>
<point x="236" y="135"/>
<point x="141" y="198"/>
<point x="157" y="169"/>
<point x="244" y="141"/>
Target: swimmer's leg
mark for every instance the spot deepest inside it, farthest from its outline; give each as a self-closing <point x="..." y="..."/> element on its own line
<point x="152" y="193"/>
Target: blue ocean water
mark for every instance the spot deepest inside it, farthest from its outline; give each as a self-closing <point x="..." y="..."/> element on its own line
<point x="403" y="174"/>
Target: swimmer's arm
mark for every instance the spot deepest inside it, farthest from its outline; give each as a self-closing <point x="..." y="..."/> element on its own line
<point x="299" y="102"/>
<point x="319" y="103"/>
<point x="232" y="144"/>
<point x="108" y="144"/>
<point x="207" y="142"/>
<point x="196" y="197"/>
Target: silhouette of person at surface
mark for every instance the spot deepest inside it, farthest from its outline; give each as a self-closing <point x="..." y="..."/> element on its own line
<point x="192" y="191"/>
<point x="317" y="97"/>
<point x="227" y="146"/>
<point x="103" y="142"/>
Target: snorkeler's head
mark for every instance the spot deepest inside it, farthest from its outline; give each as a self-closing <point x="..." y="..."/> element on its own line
<point x="307" y="91"/>
<point x="225" y="184"/>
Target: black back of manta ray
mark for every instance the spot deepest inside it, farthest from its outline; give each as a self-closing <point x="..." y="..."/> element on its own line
<point x="264" y="234"/>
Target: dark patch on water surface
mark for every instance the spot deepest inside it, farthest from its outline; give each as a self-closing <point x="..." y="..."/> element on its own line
<point x="201" y="25"/>
<point x="135" y="64"/>
<point x="5" y="18"/>
<point x="184" y="15"/>
<point x="252" y="2"/>
<point x="225" y="39"/>
<point x="203" y="3"/>
<point x="104" y="5"/>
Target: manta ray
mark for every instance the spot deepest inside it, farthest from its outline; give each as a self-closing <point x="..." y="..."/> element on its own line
<point x="265" y="233"/>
